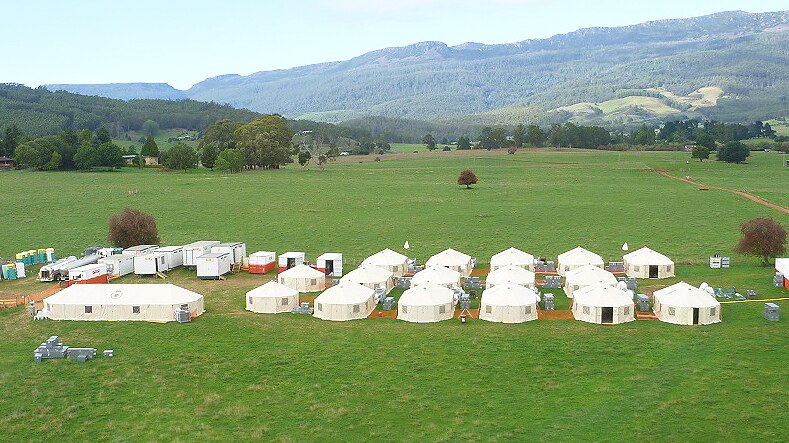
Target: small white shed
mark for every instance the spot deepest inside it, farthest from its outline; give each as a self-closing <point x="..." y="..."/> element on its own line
<point x="118" y="265"/>
<point x="150" y="264"/>
<point x="212" y="266"/>
<point x="237" y="251"/>
<point x="330" y="263"/>
<point x="262" y="262"/>
<point x="173" y="256"/>
<point x="196" y="249"/>
<point x="289" y="260"/>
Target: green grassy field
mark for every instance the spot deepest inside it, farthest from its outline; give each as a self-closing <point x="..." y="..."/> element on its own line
<point x="162" y="139"/>
<point x="236" y="375"/>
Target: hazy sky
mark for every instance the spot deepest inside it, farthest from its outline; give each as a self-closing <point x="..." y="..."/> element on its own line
<point x="183" y="42"/>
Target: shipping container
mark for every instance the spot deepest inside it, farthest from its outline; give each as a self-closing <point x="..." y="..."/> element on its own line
<point x="289" y="260"/>
<point x="330" y="263"/>
<point x="212" y="266"/>
<point x="262" y="262"/>
<point x="237" y="250"/>
<point x="196" y="249"/>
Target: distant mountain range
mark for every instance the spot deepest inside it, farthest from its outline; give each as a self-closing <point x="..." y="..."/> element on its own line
<point x="730" y="66"/>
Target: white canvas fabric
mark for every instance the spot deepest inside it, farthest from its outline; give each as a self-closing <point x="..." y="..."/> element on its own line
<point x="343" y="302"/>
<point x="390" y="260"/>
<point x="510" y="274"/>
<point x="426" y="303"/>
<point x="637" y="263"/>
<point x="587" y="275"/>
<point x="509" y="303"/>
<point x="372" y="276"/>
<point x="452" y="259"/>
<point x="575" y="258"/>
<point x="272" y="298"/>
<point x="438" y="276"/>
<point x="590" y="303"/>
<point x="782" y="266"/>
<point x="514" y="257"/>
<point x="303" y="278"/>
<point x="109" y="302"/>
<point x="676" y="303"/>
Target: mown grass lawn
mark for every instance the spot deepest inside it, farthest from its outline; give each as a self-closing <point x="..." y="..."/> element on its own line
<point x="236" y="375"/>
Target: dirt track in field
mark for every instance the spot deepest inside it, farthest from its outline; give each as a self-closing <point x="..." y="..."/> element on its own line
<point x="750" y="197"/>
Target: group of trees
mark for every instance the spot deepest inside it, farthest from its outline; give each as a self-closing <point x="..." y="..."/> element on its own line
<point x="685" y="131"/>
<point x="70" y="150"/>
<point x="231" y="146"/>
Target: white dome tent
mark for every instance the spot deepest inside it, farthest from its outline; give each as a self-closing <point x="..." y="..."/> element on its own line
<point x="603" y="304"/>
<point x="509" y="303"/>
<point x="426" y="304"/>
<point x="127" y="302"/>
<point x="371" y="276"/>
<point x="438" y="276"/>
<point x="510" y="274"/>
<point x="303" y="279"/>
<point x="646" y="263"/>
<point x="346" y="301"/>
<point x="587" y="276"/>
<point x="272" y="298"/>
<point x="575" y="258"/>
<point x="683" y="304"/>
<point x="512" y="257"/>
<point x="390" y="260"/>
<point x="452" y="259"/>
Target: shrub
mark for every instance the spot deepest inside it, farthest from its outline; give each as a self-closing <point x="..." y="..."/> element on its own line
<point x="132" y="227"/>
<point x="467" y="178"/>
<point x="762" y="237"/>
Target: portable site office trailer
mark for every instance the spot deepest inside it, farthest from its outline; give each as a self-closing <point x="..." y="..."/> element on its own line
<point x="237" y="251"/>
<point x="140" y="249"/>
<point x="289" y="260"/>
<point x="150" y="264"/>
<point x="118" y="265"/>
<point x="782" y="267"/>
<point x="262" y="262"/>
<point x="196" y="249"/>
<point x="330" y="263"/>
<point x="94" y="273"/>
<point x="212" y="266"/>
<point x="173" y="256"/>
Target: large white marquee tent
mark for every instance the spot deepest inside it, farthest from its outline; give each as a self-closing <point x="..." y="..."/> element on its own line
<point x="128" y="302"/>
<point x="438" y="276"/>
<point x="575" y="258"/>
<point x="390" y="260"/>
<point x="603" y="305"/>
<point x="587" y="276"/>
<point x="646" y="263"/>
<point x="426" y="304"/>
<point x="345" y="301"/>
<point x="452" y="259"/>
<point x="512" y="257"/>
<point x="510" y="274"/>
<point x="303" y="279"/>
<point x="371" y="276"/>
<point x="509" y="303"/>
<point x="683" y="304"/>
<point x="272" y="298"/>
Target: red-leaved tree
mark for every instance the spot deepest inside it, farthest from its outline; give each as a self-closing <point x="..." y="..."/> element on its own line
<point x="132" y="227"/>
<point x="762" y="237"/>
<point x="467" y="178"/>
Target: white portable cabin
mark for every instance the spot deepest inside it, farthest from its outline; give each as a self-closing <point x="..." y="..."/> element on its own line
<point x="782" y="267"/>
<point x="140" y="249"/>
<point x="150" y="264"/>
<point x="196" y="249"/>
<point x="118" y="265"/>
<point x="237" y="251"/>
<point x="330" y="263"/>
<point x="213" y="266"/>
<point x="438" y="276"/>
<point x="272" y="298"/>
<point x="289" y="260"/>
<point x="52" y="271"/>
<point x="426" y="304"/>
<point x="509" y="303"/>
<point x="156" y="302"/>
<point x="603" y="304"/>
<point x="575" y="258"/>
<point x="512" y="257"/>
<point x="587" y="275"/>
<point x="303" y="278"/>
<point x="646" y="263"/>
<point x="88" y="274"/>
<point x="390" y="260"/>
<point x="683" y="304"/>
<point x="510" y="274"/>
<point x="343" y="302"/>
<point x="173" y="256"/>
<point x="262" y="262"/>
<point x="452" y="259"/>
<point x="371" y="276"/>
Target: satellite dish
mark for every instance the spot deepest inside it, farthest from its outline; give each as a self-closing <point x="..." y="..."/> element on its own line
<point x="625" y="247"/>
<point x="406" y="245"/>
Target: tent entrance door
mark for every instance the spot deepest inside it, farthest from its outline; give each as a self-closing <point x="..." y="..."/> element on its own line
<point x="608" y="315"/>
<point x="653" y="271"/>
<point x="695" y="316"/>
<point x="291" y="262"/>
<point x="329" y="267"/>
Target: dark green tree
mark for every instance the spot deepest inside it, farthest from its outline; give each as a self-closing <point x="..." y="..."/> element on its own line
<point x="150" y="148"/>
<point x="700" y="152"/>
<point x="429" y="141"/>
<point x="536" y="136"/>
<point x="733" y="152"/>
<point x="27" y="156"/>
<point x="221" y="135"/>
<point x="231" y="160"/>
<point x="11" y="139"/>
<point x="181" y="157"/>
<point x="101" y="137"/>
<point x="464" y="143"/>
<point x="706" y="141"/>
<point x="519" y="135"/>
<point x="644" y="136"/>
<point x="150" y="128"/>
<point x="265" y="142"/>
<point x="208" y="156"/>
<point x="304" y="158"/>
<point x="54" y="162"/>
